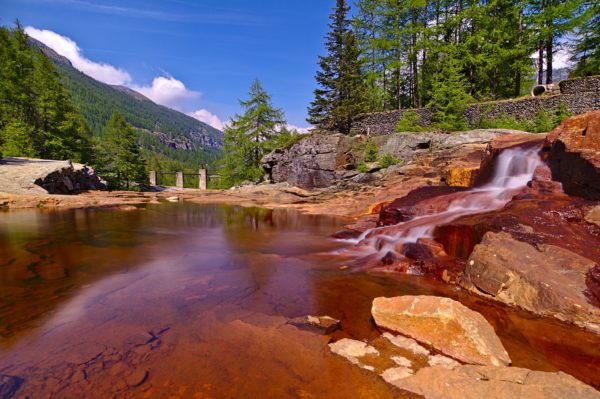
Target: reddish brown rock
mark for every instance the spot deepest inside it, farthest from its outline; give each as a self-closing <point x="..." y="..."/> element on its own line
<point x="593" y="284"/>
<point x="476" y="382"/>
<point x="415" y="204"/>
<point x="546" y="280"/>
<point x="444" y="324"/>
<point x="574" y="154"/>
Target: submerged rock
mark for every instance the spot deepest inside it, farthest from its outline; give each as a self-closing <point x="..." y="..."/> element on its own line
<point x="574" y="154"/>
<point x="547" y="280"/>
<point x="320" y="324"/>
<point x="353" y="350"/>
<point x="476" y="382"/>
<point x="443" y="323"/>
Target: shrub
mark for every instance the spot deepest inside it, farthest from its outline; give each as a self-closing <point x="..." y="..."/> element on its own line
<point x="409" y="122"/>
<point x="388" y="160"/>
<point x="502" y="122"/>
<point x="371" y="151"/>
<point x="362" y="168"/>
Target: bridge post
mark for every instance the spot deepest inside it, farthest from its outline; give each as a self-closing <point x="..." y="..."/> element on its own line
<point x="179" y="180"/>
<point x="202" y="179"/>
<point x="152" y="177"/>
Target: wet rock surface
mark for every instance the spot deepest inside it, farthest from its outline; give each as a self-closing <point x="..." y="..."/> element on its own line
<point x="9" y="385"/>
<point x="574" y="154"/>
<point x="444" y="324"/>
<point x="320" y="324"/>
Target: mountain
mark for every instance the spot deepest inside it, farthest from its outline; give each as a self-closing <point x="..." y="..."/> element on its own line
<point x="166" y="135"/>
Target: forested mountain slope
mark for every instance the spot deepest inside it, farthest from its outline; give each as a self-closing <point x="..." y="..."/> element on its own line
<point x="167" y="137"/>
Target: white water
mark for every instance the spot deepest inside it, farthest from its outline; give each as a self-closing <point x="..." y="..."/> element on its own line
<point x="514" y="168"/>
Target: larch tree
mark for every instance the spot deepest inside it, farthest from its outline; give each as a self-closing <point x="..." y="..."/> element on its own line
<point x="341" y="92"/>
<point x="586" y="51"/>
<point x="250" y="136"/>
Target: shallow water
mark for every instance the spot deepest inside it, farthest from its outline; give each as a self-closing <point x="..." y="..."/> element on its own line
<point x="181" y="300"/>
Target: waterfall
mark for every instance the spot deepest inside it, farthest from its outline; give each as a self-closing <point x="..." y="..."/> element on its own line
<point x="513" y="169"/>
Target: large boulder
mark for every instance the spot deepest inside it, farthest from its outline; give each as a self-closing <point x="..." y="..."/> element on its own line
<point x="445" y="324"/>
<point x="476" y="382"/>
<point x="544" y="279"/>
<point x="574" y="154"/>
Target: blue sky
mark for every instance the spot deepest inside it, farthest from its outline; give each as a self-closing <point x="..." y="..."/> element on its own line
<point x="196" y="56"/>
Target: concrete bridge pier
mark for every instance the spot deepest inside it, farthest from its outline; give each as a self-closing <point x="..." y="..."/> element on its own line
<point x="179" y="180"/>
<point x="202" y="179"/>
<point x="152" y="177"/>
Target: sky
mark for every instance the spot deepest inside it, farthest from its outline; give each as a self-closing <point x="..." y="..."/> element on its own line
<point x="196" y="56"/>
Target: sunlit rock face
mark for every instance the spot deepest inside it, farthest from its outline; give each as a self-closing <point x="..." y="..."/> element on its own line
<point x="574" y="155"/>
<point x="444" y="324"/>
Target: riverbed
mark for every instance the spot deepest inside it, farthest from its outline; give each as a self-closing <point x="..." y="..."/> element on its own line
<point x="187" y="300"/>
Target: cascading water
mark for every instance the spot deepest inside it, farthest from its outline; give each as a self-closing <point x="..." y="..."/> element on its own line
<point x="514" y="168"/>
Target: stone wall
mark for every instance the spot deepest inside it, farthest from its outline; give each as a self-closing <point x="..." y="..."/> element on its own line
<point x="578" y="95"/>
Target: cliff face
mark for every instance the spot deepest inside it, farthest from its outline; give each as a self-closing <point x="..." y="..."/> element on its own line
<point x="326" y="159"/>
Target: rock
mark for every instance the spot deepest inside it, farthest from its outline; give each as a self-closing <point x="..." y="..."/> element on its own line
<point x="394" y="375"/>
<point x="352" y="350"/>
<point x="574" y="154"/>
<point x="459" y="176"/>
<point x="547" y="280"/>
<point x="321" y="324"/>
<point x="402" y="361"/>
<point x="407" y="344"/>
<point x="40" y="176"/>
<point x="593" y="285"/>
<point x="443" y="361"/>
<point x="443" y="323"/>
<point x="172" y="199"/>
<point x="137" y="378"/>
<point x="9" y="385"/>
<point x="593" y="216"/>
<point x="476" y="382"/>
<point x="407" y="207"/>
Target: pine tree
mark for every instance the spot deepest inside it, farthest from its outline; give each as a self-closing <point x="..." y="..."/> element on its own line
<point x="587" y="44"/>
<point x="250" y="136"/>
<point x="341" y="94"/>
<point x="120" y="161"/>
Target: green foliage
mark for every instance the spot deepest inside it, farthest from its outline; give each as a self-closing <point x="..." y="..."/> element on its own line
<point x="98" y="101"/>
<point x="449" y="94"/>
<point x="250" y="136"/>
<point x="587" y="43"/>
<point x="544" y="121"/>
<point x="371" y="151"/>
<point x="502" y="122"/>
<point x="409" y="122"/>
<point x="120" y="161"/>
<point x="37" y="118"/>
<point x="341" y="93"/>
<point x="362" y="168"/>
<point x="388" y="160"/>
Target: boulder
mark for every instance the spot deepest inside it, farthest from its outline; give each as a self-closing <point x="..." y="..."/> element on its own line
<point x="445" y="324"/>
<point x="547" y="280"/>
<point x="574" y="154"/>
<point x="476" y="382"/>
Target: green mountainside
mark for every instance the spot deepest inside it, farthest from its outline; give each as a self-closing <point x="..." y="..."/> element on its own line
<point x="169" y="139"/>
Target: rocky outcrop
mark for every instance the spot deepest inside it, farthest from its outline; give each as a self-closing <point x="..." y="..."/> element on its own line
<point x="476" y="382"/>
<point x="446" y="325"/>
<point x="325" y="159"/>
<point x="574" y="155"/>
<point x="546" y="280"/>
<point x="40" y="176"/>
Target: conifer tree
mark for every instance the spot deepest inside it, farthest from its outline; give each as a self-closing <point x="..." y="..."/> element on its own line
<point x="340" y="95"/>
<point x="250" y="136"/>
<point x="120" y="161"/>
<point x="586" y="54"/>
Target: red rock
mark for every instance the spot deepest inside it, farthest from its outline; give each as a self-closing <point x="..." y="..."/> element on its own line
<point x="574" y="154"/>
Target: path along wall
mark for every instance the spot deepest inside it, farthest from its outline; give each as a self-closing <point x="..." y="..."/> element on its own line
<point x="579" y="95"/>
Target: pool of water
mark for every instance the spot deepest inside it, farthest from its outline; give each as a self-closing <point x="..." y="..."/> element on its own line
<point x="192" y="301"/>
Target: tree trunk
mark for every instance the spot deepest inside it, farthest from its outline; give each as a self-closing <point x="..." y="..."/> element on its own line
<point x="549" y="55"/>
<point x="540" y="78"/>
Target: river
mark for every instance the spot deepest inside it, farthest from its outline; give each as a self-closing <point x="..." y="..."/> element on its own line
<point x="183" y="300"/>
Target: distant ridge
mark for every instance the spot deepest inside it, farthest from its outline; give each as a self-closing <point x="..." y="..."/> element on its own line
<point x="165" y="134"/>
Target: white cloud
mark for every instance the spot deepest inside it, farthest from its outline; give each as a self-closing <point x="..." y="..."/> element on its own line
<point x="561" y="59"/>
<point x="68" y="48"/>
<point x="168" y="91"/>
<point x="206" y="116"/>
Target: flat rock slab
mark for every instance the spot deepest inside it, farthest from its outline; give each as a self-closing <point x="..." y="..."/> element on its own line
<point x="547" y="280"/>
<point x="445" y="324"/>
<point x="476" y="382"/>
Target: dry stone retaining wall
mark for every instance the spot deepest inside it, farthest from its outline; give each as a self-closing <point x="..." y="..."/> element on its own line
<point x="578" y="96"/>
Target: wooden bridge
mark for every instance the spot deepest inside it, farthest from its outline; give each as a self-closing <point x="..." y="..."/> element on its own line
<point x="202" y="176"/>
